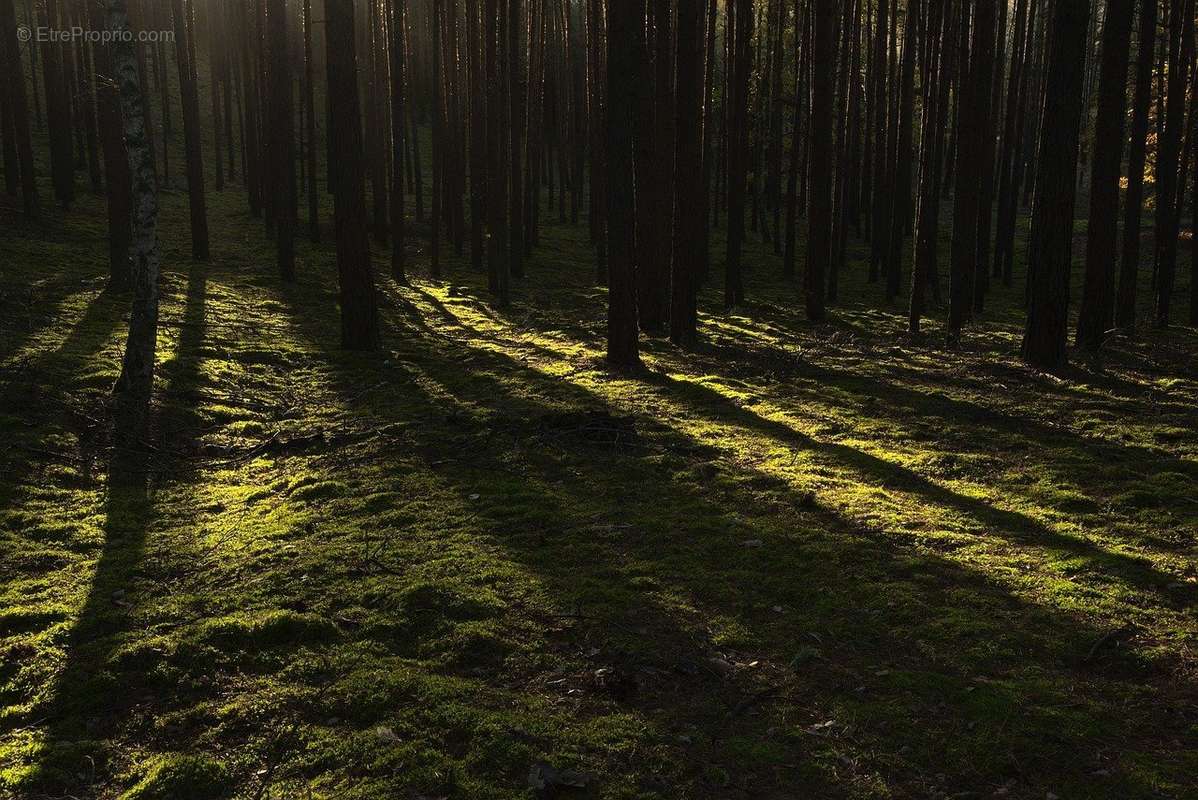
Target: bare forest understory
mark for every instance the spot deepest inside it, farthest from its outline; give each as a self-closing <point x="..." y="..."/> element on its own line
<point x="802" y="561"/>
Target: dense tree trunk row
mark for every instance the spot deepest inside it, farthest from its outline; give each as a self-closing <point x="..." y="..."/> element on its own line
<point x="862" y="116"/>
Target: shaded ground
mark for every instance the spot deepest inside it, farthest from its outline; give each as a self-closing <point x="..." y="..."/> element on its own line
<point x="819" y="561"/>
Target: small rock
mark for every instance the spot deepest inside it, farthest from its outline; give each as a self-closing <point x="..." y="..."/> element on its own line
<point x="752" y="543"/>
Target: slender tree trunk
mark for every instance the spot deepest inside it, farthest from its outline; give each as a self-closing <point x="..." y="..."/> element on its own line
<point x="738" y="150"/>
<point x="478" y="137"/>
<point x="645" y="132"/>
<point x="58" y="109"/>
<point x="797" y="120"/>
<point x="137" y="367"/>
<point x="310" y="122"/>
<point x="1168" y="194"/>
<point x="1010" y="168"/>
<point x="516" y="92"/>
<point x="901" y="193"/>
<point x="15" y="92"/>
<point x="398" y="9"/>
<point x="1050" y="243"/>
<point x="971" y="148"/>
<point x="438" y="147"/>
<point x="359" y="310"/>
<point x="12" y="173"/>
<point x="1098" y="299"/>
<point x="116" y="169"/>
<point x="497" y="168"/>
<point x="927" y="223"/>
<point x="689" y="216"/>
<point x="283" y="138"/>
<point x="191" y="132"/>
<point x="216" y="53"/>
<point x="880" y="148"/>
<point x="819" y="244"/>
<point x="622" y="345"/>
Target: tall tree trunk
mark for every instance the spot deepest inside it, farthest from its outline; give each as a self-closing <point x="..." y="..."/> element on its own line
<point x="900" y="211"/>
<point x="1098" y="298"/>
<point x="191" y="131"/>
<point x="58" y="108"/>
<point x="283" y="137"/>
<point x="516" y="92"/>
<point x="1051" y="239"/>
<point x="12" y="173"/>
<point x="216" y="53"/>
<point x="927" y="222"/>
<point x="10" y="54"/>
<point x="622" y="345"/>
<point x="137" y="367"/>
<point x="1181" y="48"/>
<point x="880" y="147"/>
<point x="655" y="314"/>
<point x="689" y="217"/>
<point x="116" y="169"/>
<point x="478" y="135"/>
<point x="399" y="109"/>
<point x="645" y="131"/>
<point x="310" y="121"/>
<point x="971" y="148"/>
<point x="497" y="168"/>
<point x="1011" y="160"/>
<point x="819" y="243"/>
<point x="359" y="309"/>
<point x="434" y="264"/>
<point x="738" y="150"/>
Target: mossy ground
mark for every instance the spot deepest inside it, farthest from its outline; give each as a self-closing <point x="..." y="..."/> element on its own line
<point x="803" y="561"/>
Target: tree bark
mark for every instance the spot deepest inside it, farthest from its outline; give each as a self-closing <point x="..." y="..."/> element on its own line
<point x="973" y="129"/>
<point x="310" y="121"/>
<point x="900" y="211"/>
<point x="15" y="91"/>
<point x="137" y="367"/>
<point x="1181" y="52"/>
<point x="1098" y="300"/>
<point x="738" y="150"/>
<point x="191" y="132"/>
<point x="622" y="344"/>
<point x="119" y="182"/>
<point x="283" y="138"/>
<point x="399" y="109"/>
<point x="819" y="242"/>
<point x="689" y="216"/>
<point x="1051" y="239"/>
<point x="359" y="309"/>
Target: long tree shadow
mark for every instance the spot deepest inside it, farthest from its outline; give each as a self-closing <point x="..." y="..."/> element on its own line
<point x="903" y="408"/>
<point x="564" y="484"/>
<point x="35" y="394"/>
<point x="992" y="519"/>
<point x="87" y="706"/>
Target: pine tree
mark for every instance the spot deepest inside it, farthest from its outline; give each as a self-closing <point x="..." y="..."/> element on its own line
<point x="1051" y="240"/>
<point x="1098" y="301"/>
<point x="622" y="344"/>
<point x="359" y="309"/>
<point x="185" y="56"/>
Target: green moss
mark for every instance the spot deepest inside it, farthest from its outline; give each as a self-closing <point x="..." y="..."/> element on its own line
<point x="419" y="571"/>
<point x="182" y="777"/>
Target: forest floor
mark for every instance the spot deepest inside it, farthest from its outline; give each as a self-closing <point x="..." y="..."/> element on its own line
<point x="803" y="561"/>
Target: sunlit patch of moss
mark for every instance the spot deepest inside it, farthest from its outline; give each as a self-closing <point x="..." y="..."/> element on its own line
<point x="182" y="777"/>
